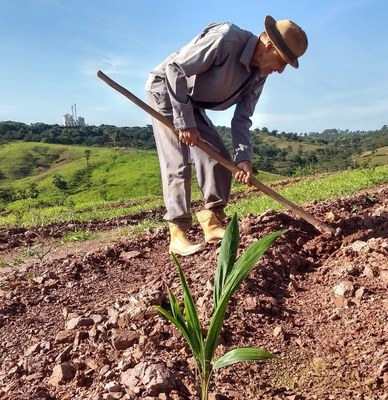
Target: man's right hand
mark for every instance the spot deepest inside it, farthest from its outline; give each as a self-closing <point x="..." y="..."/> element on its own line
<point x="245" y="174"/>
<point x="189" y="136"/>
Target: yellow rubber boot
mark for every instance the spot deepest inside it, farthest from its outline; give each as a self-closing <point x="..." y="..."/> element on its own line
<point x="211" y="225"/>
<point x="179" y="242"/>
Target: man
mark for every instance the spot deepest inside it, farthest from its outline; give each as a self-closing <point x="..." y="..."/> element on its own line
<point x="223" y="66"/>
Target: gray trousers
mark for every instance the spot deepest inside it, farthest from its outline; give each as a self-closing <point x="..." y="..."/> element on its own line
<point x="175" y="161"/>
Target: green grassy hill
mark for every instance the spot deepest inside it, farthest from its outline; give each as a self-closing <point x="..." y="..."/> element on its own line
<point x="117" y="180"/>
<point x="116" y="173"/>
<point x="374" y="158"/>
<point x="304" y="145"/>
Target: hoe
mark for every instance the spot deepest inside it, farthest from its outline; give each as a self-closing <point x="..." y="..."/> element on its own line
<point x="319" y="225"/>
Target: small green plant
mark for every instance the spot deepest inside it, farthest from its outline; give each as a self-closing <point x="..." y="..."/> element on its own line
<point x="41" y="249"/>
<point x="19" y="216"/>
<point x="354" y="208"/>
<point x="230" y="273"/>
<point x="17" y="261"/>
<point x="30" y="275"/>
<point x="78" y="236"/>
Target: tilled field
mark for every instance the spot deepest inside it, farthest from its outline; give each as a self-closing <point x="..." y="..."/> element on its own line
<point x="80" y="325"/>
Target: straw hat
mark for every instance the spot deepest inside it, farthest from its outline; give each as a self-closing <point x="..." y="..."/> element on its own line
<point x="288" y="38"/>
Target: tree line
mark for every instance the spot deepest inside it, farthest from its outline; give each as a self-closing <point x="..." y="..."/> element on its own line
<point x="334" y="149"/>
<point x="89" y="135"/>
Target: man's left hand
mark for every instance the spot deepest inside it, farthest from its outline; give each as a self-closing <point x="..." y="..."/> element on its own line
<point x="189" y="136"/>
<point x="246" y="173"/>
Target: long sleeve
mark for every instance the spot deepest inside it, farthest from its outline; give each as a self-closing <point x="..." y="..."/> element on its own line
<point x="241" y="124"/>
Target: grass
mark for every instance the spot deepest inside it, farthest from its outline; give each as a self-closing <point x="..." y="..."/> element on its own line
<point x="310" y="189"/>
<point x="117" y="173"/>
<point x="379" y="157"/>
<point x="127" y="181"/>
<point x="302" y="192"/>
<point x="79" y="236"/>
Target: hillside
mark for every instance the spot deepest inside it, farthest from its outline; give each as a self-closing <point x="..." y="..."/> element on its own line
<point x="53" y="174"/>
<point x="93" y="174"/>
<point x="275" y="152"/>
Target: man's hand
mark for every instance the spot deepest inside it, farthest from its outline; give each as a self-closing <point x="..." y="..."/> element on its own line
<point x="246" y="174"/>
<point x="189" y="136"/>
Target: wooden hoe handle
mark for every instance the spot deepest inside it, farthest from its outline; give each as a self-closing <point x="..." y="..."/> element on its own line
<point x="321" y="226"/>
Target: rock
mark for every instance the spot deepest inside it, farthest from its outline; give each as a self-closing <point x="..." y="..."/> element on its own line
<point x="341" y="302"/>
<point x="344" y="289"/>
<point x="113" y="396"/>
<point x="250" y="303"/>
<point x="132" y="378"/>
<point x="157" y="378"/>
<point x="278" y="331"/>
<point x="384" y="275"/>
<point x="97" y="318"/>
<point x="130" y="254"/>
<point x="113" y="387"/>
<point x="154" y="378"/>
<point x="368" y="272"/>
<point x="331" y="217"/>
<point x="32" y="349"/>
<point x="64" y="354"/>
<point x="65" y="337"/>
<point x="123" y="339"/>
<point x="359" y="294"/>
<point x="78" y="322"/>
<point x="360" y="246"/>
<point x="61" y="373"/>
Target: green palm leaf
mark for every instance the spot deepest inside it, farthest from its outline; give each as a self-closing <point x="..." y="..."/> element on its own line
<point x="240" y="270"/>
<point x="226" y="258"/>
<point x="242" y="354"/>
<point x="193" y="325"/>
<point x="181" y="327"/>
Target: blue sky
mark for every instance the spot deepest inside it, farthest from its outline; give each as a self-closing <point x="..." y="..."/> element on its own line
<point x="50" y="51"/>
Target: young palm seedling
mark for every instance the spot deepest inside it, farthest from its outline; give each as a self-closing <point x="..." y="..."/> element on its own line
<point x="230" y="273"/>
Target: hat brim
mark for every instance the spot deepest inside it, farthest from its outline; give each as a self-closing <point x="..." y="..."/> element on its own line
<point x="275" y="37"/>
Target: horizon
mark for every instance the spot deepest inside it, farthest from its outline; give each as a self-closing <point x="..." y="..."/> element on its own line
<point x="252" y="129"/>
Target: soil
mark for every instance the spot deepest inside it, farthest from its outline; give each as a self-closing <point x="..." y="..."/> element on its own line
<point x="78" y="322"/>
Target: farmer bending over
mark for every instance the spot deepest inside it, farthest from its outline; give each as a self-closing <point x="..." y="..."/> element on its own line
<point x="221" y="67"/>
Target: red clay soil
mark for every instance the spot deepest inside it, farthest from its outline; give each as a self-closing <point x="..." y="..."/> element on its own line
<point x="80" y="323"/>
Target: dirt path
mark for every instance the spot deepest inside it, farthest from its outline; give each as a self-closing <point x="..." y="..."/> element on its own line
<point x="80" y="325"/>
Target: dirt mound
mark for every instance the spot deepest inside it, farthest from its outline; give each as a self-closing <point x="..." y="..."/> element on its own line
<point x="81" y="326"/>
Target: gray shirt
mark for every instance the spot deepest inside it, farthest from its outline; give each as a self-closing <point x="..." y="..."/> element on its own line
<point x="212" y="71"/>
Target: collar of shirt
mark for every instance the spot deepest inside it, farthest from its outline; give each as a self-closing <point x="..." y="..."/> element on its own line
<point x="249" y="49"/>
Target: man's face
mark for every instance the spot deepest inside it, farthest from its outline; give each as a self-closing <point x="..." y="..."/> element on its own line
<point x="272" y="62"/>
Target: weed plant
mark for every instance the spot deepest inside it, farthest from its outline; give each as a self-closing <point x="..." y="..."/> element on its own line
<point x="230" y="273"/>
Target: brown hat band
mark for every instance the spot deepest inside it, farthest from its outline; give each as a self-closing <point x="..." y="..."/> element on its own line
<point x="283" y="46"/>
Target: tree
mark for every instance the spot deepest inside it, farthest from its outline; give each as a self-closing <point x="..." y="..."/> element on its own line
<point x="33" y="191"/>
<point x="60" y="183"/>
<point x="7" y="194"/>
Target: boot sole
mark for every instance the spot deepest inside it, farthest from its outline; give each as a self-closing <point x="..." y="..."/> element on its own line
<point x="187" y="253"/>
